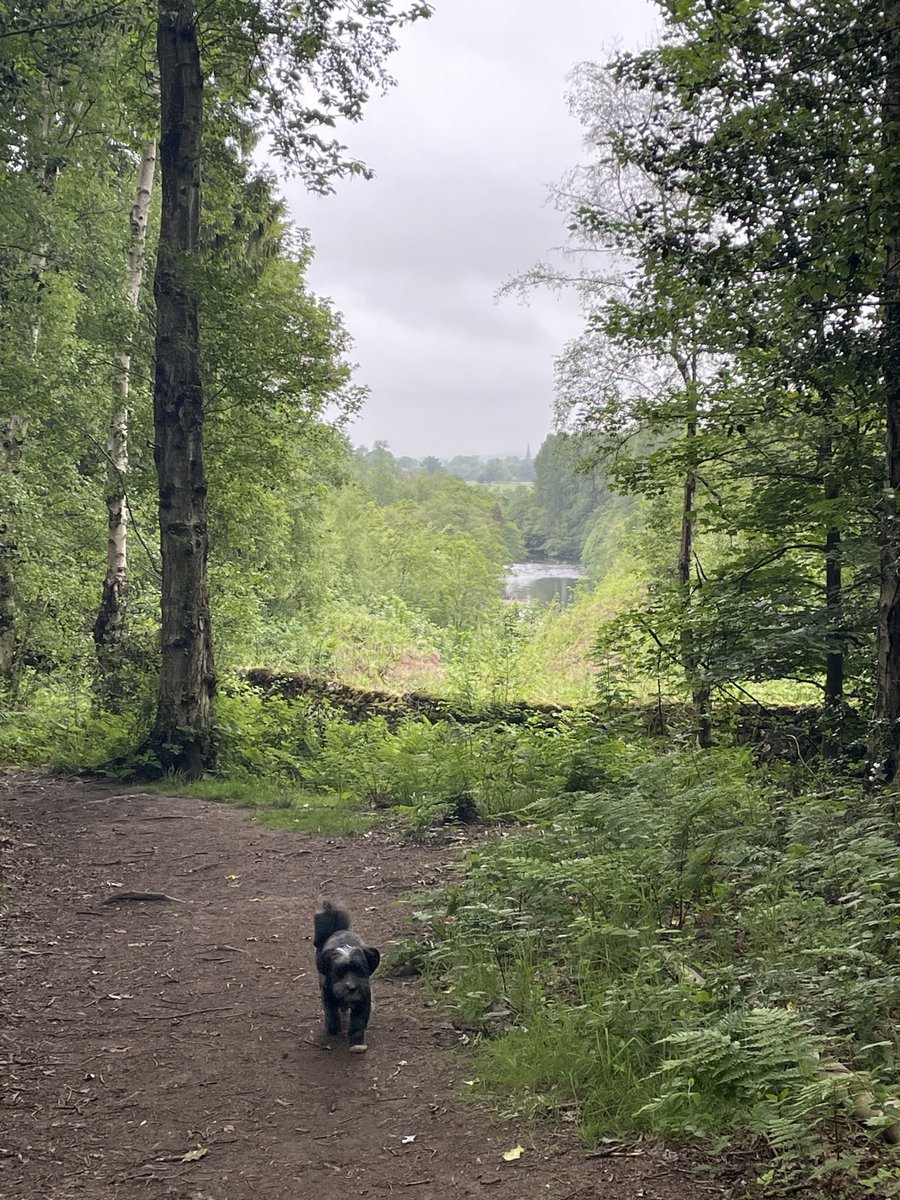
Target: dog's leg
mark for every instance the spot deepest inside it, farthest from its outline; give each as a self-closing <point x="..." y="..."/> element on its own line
<point x="332" y="1012"/>
<point x="359" y="1019"/>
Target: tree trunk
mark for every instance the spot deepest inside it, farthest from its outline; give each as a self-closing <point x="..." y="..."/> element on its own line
<point x="834" y="615"/>
<point x="700" y="692"/>
<point x="834" y="607"/>
<point x="44" y="172"/>
<point x="109" y="627"/>
<point x="182" y="735"/>
<point x="834" y="596"/>
<point x="885" y="742"/>
<point x="12" y="436"/>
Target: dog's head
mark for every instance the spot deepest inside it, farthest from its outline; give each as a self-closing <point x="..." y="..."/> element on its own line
<point x="347" y="968"/>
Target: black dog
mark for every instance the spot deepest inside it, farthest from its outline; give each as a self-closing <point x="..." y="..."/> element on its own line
<point x="344" y="963"/>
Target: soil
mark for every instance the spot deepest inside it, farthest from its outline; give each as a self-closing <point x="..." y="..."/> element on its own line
<point x="173" y="1049"/>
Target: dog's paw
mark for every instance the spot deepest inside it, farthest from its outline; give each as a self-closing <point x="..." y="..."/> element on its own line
<point x="359" y="1049"/>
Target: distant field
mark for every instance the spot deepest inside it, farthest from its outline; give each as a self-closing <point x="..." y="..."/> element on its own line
<point x="509" y="485"/>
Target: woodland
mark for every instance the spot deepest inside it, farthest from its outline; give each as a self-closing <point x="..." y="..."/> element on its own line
<point x="683" y="917"/>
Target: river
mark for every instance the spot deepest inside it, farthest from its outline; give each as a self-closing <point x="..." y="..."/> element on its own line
<point x="542" y="581"/>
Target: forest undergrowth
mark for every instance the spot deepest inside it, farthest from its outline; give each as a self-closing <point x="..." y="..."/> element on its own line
<point x="650" y="940"/>
<point x="689" y="945"/>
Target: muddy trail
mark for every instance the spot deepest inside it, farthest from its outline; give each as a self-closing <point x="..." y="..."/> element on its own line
<point x="174" y="1049"/>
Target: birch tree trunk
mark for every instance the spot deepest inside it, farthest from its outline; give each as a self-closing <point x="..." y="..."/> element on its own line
<point x="700" y="691"/>
<point x="45" y="175"/>
<point x="109" y="627"/>
<point x="182" y="736"/>
<point x="885" y="742"/>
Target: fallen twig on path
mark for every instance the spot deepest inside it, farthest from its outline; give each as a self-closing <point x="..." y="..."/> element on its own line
<point x="195" y="1012"/>
<point x="121" y="897"/>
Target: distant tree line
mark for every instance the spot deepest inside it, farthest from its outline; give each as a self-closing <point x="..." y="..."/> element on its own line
<point x="565" y="494"/>
<point x="474" y="468"/>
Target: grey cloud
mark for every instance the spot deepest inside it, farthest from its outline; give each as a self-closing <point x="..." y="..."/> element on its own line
<point x="463" y="149"/>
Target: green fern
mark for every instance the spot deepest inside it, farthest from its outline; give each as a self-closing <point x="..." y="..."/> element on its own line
<point x="759" y="1069"/>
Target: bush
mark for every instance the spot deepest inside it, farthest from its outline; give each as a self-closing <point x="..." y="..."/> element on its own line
<point x="60" y="728"/>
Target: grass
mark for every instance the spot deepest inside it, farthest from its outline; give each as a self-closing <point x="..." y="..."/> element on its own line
<point x="281" y="805"/>
<point x="551" y="1065"/>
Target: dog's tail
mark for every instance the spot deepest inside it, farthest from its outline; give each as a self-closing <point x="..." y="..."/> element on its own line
<point x="330" y="918"/>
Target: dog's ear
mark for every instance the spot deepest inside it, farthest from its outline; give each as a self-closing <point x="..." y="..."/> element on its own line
<point x="373" y="957"/>
<point x="327" y="960"/>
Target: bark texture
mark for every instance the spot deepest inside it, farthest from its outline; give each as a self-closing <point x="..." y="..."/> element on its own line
<point x="700" y="691"/>
<point x="109" y="627"/>
<point x="182" y="735"/>
<point x="12" y="437"/>
<point x="885" y="747"/>
<point x="834" y="591"/>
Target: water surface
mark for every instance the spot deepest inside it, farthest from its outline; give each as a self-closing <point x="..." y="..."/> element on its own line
<point x="542" y="581"/>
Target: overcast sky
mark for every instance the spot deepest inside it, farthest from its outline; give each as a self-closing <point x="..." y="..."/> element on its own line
<point x="463" y="149"/>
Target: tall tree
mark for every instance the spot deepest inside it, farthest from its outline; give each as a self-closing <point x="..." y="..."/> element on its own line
<point x="886" y="734"/>
<point x="182" y="734"/>
<point x="268" y="59"/>
<point x="765" y="148"/>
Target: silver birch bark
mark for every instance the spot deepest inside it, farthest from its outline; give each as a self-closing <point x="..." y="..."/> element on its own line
<point x="110" y="624"/>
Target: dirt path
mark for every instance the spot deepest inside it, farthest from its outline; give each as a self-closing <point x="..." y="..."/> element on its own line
<point x="132" y="1034"/>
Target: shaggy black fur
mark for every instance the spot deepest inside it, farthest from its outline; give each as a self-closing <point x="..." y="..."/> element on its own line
<point x="344" y="963"/>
